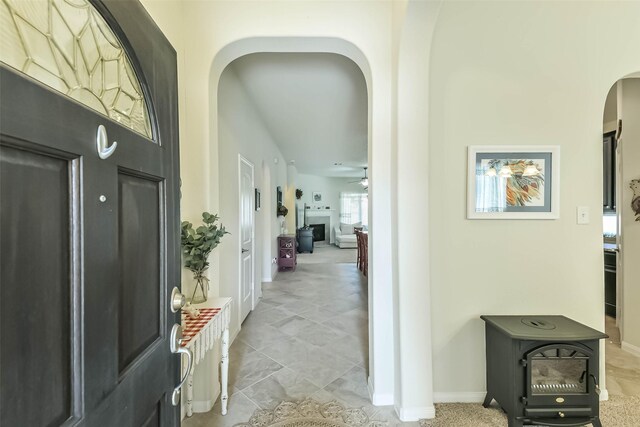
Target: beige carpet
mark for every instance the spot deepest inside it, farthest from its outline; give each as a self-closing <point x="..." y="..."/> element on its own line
<point x="618" y="411"/>
<point x="309" y="413"/>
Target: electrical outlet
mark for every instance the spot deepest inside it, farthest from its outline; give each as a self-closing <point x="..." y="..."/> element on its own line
<point x="583" y="215"/>
<point x="274" y="261"/>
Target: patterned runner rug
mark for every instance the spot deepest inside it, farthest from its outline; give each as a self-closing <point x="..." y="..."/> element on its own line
<point x="310" y="413"/>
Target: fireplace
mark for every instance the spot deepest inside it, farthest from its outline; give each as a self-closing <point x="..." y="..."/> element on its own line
<point x="320" y="224"/>
<point x="543" y="370"/>
<point x="318" y="232"/>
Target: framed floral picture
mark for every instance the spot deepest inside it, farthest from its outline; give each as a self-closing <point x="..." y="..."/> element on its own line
<point x="513" y="182"/>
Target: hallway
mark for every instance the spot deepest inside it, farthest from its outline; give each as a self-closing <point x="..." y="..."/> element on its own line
<point x="308" y="337"/>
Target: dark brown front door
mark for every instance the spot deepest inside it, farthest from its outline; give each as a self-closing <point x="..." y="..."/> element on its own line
<point x="89" y="246"/>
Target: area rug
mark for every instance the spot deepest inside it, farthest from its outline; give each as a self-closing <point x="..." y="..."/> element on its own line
<point x="618" y="411"/>
<point x="310" y="413"/>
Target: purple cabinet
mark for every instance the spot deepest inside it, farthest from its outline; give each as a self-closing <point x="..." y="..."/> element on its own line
<point x="287" y="252"/>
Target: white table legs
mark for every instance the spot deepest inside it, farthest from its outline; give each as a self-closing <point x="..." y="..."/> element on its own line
<point x="224" y="378"/>
<point x="190" y="394"/>
<point x="224" y="371"/>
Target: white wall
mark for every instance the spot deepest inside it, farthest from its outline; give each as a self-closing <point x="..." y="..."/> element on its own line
<point x="610" y="116"/>
<point x="215" y="33"/>
<point x="517" y="73"/>
<point x="495" y="72"/>
<point x="242" y="132"/>
<point x="330" y="188"/>
<point x="222" y="31"/>
<point x="289" y="199"/>
<point x="414" y="390"/>
<point x="630" y="155"/>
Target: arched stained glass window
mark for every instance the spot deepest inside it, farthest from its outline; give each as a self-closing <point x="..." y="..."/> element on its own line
<point x="68" y="46"/>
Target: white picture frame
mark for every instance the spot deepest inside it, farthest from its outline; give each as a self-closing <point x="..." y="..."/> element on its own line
<point x="513" y="182"/>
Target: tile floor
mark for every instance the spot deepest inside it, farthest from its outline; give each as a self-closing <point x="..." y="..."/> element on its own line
<point x="308" y="338"/>
<point x="623" y="368"/>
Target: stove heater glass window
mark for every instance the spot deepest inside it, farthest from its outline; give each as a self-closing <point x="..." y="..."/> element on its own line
<point x="559" y="371"/>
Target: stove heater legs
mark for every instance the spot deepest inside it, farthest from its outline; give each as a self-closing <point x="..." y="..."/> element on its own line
<point x="487" y="400"/>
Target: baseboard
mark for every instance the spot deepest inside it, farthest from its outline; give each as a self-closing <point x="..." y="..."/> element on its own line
<point x="459" y="397"/>
<point x="630" y="348"/>
<point x="408" y="415"/>
<point x="267" y="280"/>
<point x="604" y="395"/>
<point x="379" y="399"/>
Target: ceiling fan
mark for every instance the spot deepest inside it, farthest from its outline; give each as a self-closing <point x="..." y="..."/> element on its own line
<point x="364" y="181"/>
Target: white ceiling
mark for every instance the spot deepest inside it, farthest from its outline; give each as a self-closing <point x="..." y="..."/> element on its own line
<point x="314" y="105"/>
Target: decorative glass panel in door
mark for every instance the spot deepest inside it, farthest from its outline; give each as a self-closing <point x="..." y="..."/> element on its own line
<point x="67" y="46"/>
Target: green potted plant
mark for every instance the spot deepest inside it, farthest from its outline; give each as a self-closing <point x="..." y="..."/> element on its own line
<point x="197" y="244"/>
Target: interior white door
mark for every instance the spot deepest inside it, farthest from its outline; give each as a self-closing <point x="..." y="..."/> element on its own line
<point x="246" y="238"/>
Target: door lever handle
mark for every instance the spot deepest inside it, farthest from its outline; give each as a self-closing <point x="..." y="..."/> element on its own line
<point x="176" y="348"/>
<point x="104" y="152"/>
<point x="245" y="250"/>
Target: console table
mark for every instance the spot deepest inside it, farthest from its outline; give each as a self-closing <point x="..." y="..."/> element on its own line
<point x="200" y="335"/>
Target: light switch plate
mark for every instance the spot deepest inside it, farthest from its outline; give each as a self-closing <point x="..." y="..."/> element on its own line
<point x="584" y="216"/>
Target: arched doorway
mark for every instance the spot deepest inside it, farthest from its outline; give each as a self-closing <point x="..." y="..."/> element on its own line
<point x="381" y="331"/>
<point x="621" y="151"/>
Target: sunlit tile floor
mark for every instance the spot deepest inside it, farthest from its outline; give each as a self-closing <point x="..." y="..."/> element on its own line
<point x="308" y="337"/>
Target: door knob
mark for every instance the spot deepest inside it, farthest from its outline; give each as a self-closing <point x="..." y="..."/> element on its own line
<point x="176" y="348"/>
<point x="178" y="300"/>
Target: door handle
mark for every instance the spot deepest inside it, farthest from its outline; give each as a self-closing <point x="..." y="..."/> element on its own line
<point x="245" y="250"/>
<point x="176" y="348"/>
<point x="178" y="300"/>
<point x="104" y="151"/>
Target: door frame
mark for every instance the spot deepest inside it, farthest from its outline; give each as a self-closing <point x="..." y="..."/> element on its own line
<point x="241" y="160"/>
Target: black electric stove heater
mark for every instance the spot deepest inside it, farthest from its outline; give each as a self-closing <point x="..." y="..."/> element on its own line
<point x="543" y="370"/>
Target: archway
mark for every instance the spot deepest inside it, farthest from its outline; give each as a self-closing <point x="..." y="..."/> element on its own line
<point x="621" y="236"/>
<point x="381" y="309"/>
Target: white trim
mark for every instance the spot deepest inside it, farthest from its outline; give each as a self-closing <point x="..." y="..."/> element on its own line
<point x="267" y="280"/>
<point x="604" y="395"/>
<point x="630" y="348"/>
<point x="379" y="399"/>
<point x="555" y="184"/>
<point x="459" y="397"/>
<point x="415" y="414"/>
